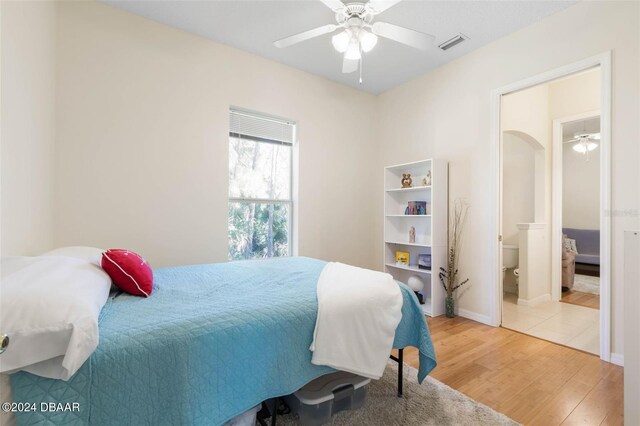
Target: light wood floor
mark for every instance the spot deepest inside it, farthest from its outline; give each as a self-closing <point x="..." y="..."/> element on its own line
<point x="587" y="300"/>
<point x="533" y="381"/>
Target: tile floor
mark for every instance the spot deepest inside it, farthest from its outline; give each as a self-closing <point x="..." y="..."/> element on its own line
<point x="571" y="325"/>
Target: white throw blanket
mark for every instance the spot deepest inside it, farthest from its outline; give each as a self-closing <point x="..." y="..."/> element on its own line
<point x="358" y="312"/>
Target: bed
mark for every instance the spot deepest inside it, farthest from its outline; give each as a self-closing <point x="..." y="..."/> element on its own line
<point x="210" y="343"/>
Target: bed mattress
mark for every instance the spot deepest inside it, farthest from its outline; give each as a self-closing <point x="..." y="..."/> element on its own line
<point x="210" y="343"/>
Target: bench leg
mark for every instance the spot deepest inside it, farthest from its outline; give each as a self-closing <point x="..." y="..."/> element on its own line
<point x="399" y="359"/>
<point x="400" y="364"/>
<point x="274" y="413"/>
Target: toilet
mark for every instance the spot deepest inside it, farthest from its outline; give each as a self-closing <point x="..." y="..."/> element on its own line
<point x="509" y="258"/>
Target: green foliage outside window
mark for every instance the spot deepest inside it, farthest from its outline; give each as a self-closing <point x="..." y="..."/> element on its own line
<point x="260" y="199"/>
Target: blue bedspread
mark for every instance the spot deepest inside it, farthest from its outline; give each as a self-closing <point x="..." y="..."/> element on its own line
<point x="211" y="342"/>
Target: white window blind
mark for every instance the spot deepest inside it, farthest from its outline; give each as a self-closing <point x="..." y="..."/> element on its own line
<point x="261" y="128"/>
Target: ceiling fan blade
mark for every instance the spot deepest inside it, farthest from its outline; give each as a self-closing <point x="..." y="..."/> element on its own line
<point x="595" y="136"/>
<point x="294" y="39"/>
<point x="572" y="141"/>
<point x="379" y="6"/>
<point x="334" y="5"/>
<point x="349" y="65"/>
<point x="403" y="35"/>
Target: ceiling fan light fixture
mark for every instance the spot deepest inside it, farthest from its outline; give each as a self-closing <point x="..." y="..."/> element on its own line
<point x="584" y="145"/>
<point x="341" y="41"/>
<point x="353" y="51"/>
<point x="367" y="40"/>
<point x="580" y="147"/>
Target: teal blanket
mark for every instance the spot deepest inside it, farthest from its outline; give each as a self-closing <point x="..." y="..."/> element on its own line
<point x="211" y="342"/>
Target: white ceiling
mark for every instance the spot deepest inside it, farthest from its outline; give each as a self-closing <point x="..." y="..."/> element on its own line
<point x="254" y="25"/>
<point x="591" y="125"/>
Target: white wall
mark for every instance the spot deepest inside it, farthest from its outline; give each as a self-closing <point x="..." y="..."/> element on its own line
<point x="446" y="114"/>
<point x="142" y="145"/>
<point x="632" y="337"/>
<point x="28" y="123"/>
<point x="580" y="189"/>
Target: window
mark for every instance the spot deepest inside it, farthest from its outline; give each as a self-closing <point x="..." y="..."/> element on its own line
<point x="260" y="186"/>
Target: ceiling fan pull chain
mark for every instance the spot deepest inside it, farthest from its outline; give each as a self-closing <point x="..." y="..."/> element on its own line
<point x="360" y="66"/>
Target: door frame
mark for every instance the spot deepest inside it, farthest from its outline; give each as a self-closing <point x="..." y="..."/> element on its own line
<point x="556" y="198"/>
<point x="602" y="60"/>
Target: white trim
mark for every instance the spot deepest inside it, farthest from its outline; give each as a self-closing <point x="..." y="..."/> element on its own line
<point x="605" y="208"/>
<point x="294" y="208"/>
<point x="495" y="165"/>
<point x="407" y="165"/>
<point x="529" y="226"/>
<point x="556" y="199"/>
<point x="602" y="60"/>
<point x="535" y="301"/>
<point x="484" y="319"/>
<point x="617" y="359"/>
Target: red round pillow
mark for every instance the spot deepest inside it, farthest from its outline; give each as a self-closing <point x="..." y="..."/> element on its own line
<point x="129" y="271"/>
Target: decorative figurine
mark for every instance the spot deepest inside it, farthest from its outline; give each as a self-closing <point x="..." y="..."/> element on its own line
<point x="417" y="285"/>
<point x="402" y="258"/>
<point x="424" y="261"/>
<point x="412" y="235"/>
<point x="426" y="181"/>
<point x="406" y="180"/>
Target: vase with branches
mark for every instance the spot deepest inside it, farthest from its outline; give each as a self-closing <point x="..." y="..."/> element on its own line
<point x="449" y="275"/>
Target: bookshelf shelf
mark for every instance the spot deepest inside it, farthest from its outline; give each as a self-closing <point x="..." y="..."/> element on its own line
<point x="430" y="229"/>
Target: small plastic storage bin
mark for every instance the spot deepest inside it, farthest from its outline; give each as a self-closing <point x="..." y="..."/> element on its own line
<point x="248" y="418"/>
<point x="321" y="398"/>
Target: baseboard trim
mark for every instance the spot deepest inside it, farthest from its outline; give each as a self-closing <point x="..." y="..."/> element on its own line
<point x="484" y="319"/>
<point x="535" y="300"/>
<point x="617" y="359"/>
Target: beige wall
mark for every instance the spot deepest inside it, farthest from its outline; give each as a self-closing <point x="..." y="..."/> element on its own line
<point x="581" y="185"/>
<point x="519" y="185"/>
<point x="28" y="123"/>
<point x="526" y="113"/>
<point x="141" y="153"/>
<point x="575" y="95"/>
<point x="446" y="114"/>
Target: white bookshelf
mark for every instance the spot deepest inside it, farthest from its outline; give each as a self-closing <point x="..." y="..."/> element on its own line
<point x="431" y="228"/>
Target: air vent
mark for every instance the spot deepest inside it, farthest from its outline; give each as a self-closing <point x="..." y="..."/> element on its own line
<point x="459" y="38"/>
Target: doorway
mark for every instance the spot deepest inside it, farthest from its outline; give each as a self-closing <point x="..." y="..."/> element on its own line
<point x="529" y="182"/>
<point x="576" y="166"/>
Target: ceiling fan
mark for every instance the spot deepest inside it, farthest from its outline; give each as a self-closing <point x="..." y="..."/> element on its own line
<point x="359" y="33"/>
<point x="584" y="142"/>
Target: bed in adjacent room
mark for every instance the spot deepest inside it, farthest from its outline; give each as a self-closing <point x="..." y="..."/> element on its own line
<point x="211" y="342"/>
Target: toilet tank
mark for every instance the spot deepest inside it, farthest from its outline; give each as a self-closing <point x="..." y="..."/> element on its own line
<point x="509" y="255"/>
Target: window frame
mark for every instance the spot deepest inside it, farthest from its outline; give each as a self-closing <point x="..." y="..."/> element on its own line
<point x="292" y="198"/>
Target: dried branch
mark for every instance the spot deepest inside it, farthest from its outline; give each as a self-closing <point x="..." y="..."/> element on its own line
<point x="457" y="220"/>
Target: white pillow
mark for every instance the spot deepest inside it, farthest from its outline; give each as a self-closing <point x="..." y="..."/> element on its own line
<point x="570" y="245"/>
<point x="90" y="254"/>
<point x="49" y="307"/>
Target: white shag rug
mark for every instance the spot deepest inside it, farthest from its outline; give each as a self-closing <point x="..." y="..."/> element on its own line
<point x="586" y="284"/>
<point x="430" y="404"/>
